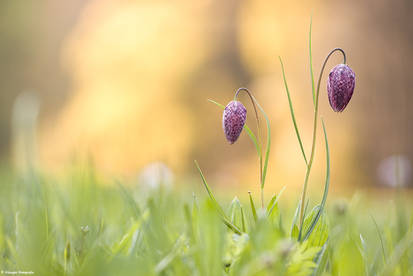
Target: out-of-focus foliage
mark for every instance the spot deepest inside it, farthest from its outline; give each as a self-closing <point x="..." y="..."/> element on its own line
<point x="74" y="225"/>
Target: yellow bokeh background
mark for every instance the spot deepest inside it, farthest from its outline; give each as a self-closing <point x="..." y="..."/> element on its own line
<point x="140" y="73"/>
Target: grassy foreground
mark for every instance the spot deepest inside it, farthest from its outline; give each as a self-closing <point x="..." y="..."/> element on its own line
<point x="77" y="226"/>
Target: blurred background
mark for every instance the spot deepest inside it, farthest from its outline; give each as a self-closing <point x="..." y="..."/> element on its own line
<point x="125" y="84"/>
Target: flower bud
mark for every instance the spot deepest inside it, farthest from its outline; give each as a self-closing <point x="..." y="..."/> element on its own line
<point x="340" y="86"/>
<point x="233" y="120"/>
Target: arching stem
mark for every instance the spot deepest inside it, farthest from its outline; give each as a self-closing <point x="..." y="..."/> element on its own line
<point x="263" y="168"/>
<point x="310" y="162"/>
<point x="258" y="134"/>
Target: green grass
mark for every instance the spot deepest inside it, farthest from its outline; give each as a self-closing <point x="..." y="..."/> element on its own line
<point x="80" y="225"/>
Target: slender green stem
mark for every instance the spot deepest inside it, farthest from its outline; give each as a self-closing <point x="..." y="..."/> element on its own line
<point x="258" y="136"/>
<point x="257" y="144"/>
<point x="267" y="151"/>
<point x="310" y="162"/>
<point x="326" y="188"/>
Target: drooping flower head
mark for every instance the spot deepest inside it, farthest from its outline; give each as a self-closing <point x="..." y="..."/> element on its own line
<point x="340" y="86"/>
<point x="233" y="120"/>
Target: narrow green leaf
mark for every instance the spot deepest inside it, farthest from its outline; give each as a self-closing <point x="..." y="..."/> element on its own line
<point x="127" y="195"/>
<point x="268" y="145"/>
<point x="211" y="195"/>
<point x="327" y="182"/>
<point x="168" y="259"/>
<point x="326" y="186"/>
<point x="294" y="232"/>
<point x="236" y="213"/>
<point x="244" y="227"/>
<point x="381" y="239"/>
<point x="217" y="103"/>
<point x="254" y="211"/>
<point x="126" y="243"/>
<point x="271" y="203"/>
<point x="253" y="139"/>
<point x="224" y="217"/>
<point x="292" y="113"/>
<point x="294" y="222"/>
<point x="274" y="201"/>
<point x="320" y="230"/>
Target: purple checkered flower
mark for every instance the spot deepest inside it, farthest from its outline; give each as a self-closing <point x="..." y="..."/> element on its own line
<point x="233" y="120"/>
<point x="340" y="86"/>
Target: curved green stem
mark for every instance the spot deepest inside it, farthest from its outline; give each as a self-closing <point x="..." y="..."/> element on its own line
<point x="263" y="167"/>
<point x="310" y="162"/>
<point x="258" y="132"/>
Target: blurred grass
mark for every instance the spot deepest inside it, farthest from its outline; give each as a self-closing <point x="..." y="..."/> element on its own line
<point x="74" y="225"/>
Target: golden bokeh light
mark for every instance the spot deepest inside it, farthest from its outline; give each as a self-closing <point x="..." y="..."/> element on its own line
<point x="125" y="107"/>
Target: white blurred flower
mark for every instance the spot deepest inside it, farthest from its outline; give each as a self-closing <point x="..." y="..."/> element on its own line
<point x="156" y="175"/>
<point x="395" y="171"/>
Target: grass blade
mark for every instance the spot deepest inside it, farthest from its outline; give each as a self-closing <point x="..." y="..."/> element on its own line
<point x="327" y="183"/>
<point x="292" y="112"/>
<point x="168" y="259"/>
<point x="211" y="195"/>
<point x="217" y="103"/>
<point x="275" y="201"/>
<point x="244" y="228"/>
<point x="326" y="186"/>
<point x="254" y="211"/>
<point x="381" y="239"/>
<point x="253" y="139"/>
<point x="127" y="241"/>
<point x="295" y="218"/>
<point x="268" y="145"/>
<point x="224" y="217"/>
<point x="271" y="203"/>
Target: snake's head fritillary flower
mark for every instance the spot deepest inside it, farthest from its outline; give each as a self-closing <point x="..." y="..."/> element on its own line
<point x="340" y="86"/>
<point x="233" y="120"/>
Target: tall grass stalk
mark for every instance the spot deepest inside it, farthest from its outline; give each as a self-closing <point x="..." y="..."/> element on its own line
<point x="316" y="105"/>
